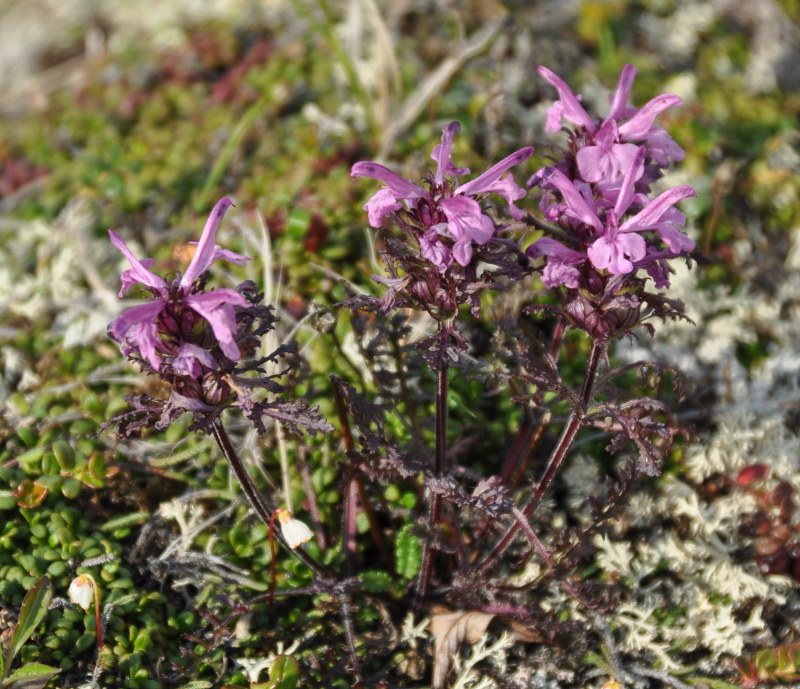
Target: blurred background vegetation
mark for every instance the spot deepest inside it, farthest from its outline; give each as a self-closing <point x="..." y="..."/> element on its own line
<point x="139" y="117"/>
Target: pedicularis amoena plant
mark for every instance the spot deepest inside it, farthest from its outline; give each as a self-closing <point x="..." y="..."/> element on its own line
<point x="602" y="238"/>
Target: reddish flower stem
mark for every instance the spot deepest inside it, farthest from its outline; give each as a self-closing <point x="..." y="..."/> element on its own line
<point x="435" y="507"/>
<point x="98" y="621"/>
<point x="556" y="458"/>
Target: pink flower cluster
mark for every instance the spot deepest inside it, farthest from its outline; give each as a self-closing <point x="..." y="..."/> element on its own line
<point x="598" y="197"/>
<point x="602" y="221"/>
<point x="446" y="219"/>
<point x="172" y="327"/>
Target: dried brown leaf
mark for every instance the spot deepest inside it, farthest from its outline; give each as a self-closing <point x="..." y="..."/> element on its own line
<point x="449" y="631"/>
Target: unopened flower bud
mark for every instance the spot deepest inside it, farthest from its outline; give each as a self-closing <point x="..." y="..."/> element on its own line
<point x="215" y="390"/>
<point x="81" y="591"/>
<point x="294" y="531"/>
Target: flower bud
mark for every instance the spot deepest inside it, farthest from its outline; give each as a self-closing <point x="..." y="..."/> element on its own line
<point x="294" y="531"/>
<point x="81" y="591"/>
<point x="215" y="390"/>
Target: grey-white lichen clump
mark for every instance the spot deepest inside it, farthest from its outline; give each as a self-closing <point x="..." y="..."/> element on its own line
<point x="693" y="564"/>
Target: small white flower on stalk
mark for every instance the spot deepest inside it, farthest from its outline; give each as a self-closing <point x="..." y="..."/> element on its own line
<point x="294" y="531"/>
<point x="81" y="591"/>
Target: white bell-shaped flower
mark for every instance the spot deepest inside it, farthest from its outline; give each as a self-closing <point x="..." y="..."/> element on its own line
<point x="294" y="531"/>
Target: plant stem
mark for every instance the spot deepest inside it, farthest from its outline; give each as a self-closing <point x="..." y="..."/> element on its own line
<point x="528" y="435"/>
<point x="556" y="458"/>
<point x="97" y="616"/>
<point x="349" y="633"/>
<point x="349" y="522"/>
<point x="558" y="337"/>
<point x="257" y="501"/>
<point x="435" y="508"/>
<point x="540" y="550"/>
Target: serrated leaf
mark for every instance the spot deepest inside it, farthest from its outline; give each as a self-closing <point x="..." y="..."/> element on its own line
<point x="30" y="676"/>
<point x="198" y="684"/>
<point x="407" y="553"/>
<point x="375" y="581"/>
<point x="32" y="612"/>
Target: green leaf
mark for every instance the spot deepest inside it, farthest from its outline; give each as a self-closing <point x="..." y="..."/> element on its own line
<point x="407" y="553"/>
<point x="125" y="520"/>
<point x="284" y="674"/>
<point x="65" y="455"/>
<point x="599" y="660"/>
<point x="30" y="676"/>
<point x="712" y="682"/>
<point x="32" y="612"/>
<point x="375" y="581"/>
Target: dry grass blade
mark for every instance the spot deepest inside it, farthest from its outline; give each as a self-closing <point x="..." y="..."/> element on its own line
<point x="434" y="83"/>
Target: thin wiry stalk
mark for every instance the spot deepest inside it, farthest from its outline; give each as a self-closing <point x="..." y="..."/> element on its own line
<point x="349" y="632"/>
<point x="257" y="501"/>
<point x="556" y="458"/>
<point x="350" y="511"/>
<point x="435" y="508"/>
<point x="311" y="497"/>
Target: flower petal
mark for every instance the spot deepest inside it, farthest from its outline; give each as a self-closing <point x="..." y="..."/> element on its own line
<point x="128" y="277"/>
<point x="600" y="165"/>
<point x="555" y="249"/>
<point x="401" y="188"/>
<point x="216" y="307"/>
<point x="143" y="313"/>
<point x="570" y="105"/>
<point x="139" y="270"/>
<point x="490" y="181"/>
<point x="636" y="128"/>
<point x="467" y="220"/>
<point x="663" y="148"/>
<point x="578" y="206"/>
<point x="633" y="173"/>
<point x="433" y="249"/>
<point x="189" y="358"/>
<point x="616" y="252"/>
<point x="652" y="212"/>
<point x="441" y="154"/>
<point x="462" y="251"/>
<point x="220" y="254"/>
<point x="622" y="93"/>
<point x="381" y="203"/>
<point x="206" y="248"/>
<point x="556" y="274"/>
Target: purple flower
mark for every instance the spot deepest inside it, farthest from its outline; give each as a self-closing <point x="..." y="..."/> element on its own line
<point x="466" y="223"/>
<point x="445" y="211"/>
<point x="604" y="236"/>
<point x="561" y="262"/>
<point x="606" y="147"/>
<point x="158" y="330"/>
